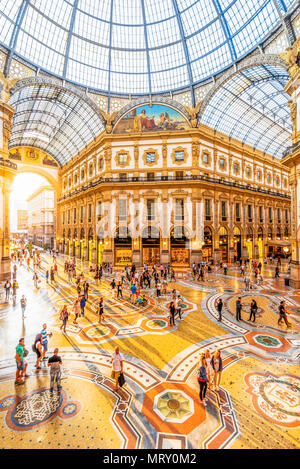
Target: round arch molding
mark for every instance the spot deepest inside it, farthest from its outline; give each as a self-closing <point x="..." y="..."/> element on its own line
<point x="145" y="101"/>
<point x="262" y="59"/>
<point x="41" y="172"/>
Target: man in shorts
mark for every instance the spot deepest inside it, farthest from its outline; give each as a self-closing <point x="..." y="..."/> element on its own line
<point x="21" y="364"/>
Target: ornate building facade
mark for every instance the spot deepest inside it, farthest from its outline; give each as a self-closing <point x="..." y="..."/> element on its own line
<point x="157" y="190"/>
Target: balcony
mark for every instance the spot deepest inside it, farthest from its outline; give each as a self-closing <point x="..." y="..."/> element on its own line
<point x="177" y="178"/>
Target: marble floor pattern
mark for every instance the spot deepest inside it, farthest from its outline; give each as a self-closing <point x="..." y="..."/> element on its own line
<point x="258" y="402"/>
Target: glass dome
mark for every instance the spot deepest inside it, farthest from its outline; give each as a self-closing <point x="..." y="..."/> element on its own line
<point x="136" y="46"/>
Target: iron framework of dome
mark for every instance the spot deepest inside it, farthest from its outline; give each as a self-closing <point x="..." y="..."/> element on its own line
<point x="136" y="46"/>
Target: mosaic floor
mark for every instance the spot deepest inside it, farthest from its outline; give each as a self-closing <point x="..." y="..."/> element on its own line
<point x="258" y="402"/>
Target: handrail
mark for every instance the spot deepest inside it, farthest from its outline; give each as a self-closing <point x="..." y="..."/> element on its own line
<point x="172" y="178"/>
<point x="8" y="164"/>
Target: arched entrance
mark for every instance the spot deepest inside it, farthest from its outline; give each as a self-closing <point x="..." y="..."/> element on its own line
<point x="237" y="243"/>
<point x="151" y="245"/>
<point x="123" y="246"/>
<point x="180" y="252"/>
<point x="260" y="242"/>
<point x="249" y="242"/>
<point x="207" y="248"/>
<point x="223" y="244"/>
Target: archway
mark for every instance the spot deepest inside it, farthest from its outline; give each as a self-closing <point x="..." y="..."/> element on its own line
<point x="260" y="242"/>
<point x="237" y="243"/>
<point x="180" y="247"/>
<point x="223" y="243"/>
<point x="207" y="248"/>
<point x="123" y="246"/>
<point x="151" y="245"/>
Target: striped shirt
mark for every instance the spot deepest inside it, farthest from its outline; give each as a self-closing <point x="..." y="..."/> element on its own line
<point x="44" y="336"/>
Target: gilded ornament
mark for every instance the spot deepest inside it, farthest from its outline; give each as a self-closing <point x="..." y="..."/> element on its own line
<point x="109" y="118"/>
<point x="291" y="58"/>
<point x="193" y="112"/>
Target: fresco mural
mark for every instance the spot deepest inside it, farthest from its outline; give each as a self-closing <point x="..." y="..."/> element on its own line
<point x="31" y="155"/>
<point x="151" y="118"/>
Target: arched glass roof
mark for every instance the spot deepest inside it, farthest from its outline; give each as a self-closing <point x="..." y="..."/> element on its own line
<point x="252" y="107"/>
<point x="136" y="46"/>
<point x="53" y="119"/>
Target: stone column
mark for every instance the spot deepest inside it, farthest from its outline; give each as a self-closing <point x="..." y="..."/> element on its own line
<point x="292" y="159"/>
<point x="7" y="174"/>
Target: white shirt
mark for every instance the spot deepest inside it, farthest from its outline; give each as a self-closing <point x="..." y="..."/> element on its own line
<point x="117" y="362"/>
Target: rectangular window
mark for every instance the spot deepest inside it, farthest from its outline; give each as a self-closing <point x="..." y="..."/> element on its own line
<point x="122" y="209"/>
<point x="205" y="158"/>
<point x="63" y="218"/>
<point x="74" y="215"/>
<point x="69" y="216"/>
<point x="286" y="216"/>
<point x="237" y="212"/>
<point x="99" y="211"/>
<point x="223" y="211"/>
<point x="123" y="158"/>
<point x="123" y="176"/>
<point x="278" y="215"/>
<point x="81" y="214"/>
<point x="179" y="155"/>
<point x="260" y="210"/>
<point x="207" y="203"/>
<point x="150" y="209"/>
<point x="270" y="214"/>
<point x="90" y="212"/>
<point x="150" y="157"/>
<point x="222" y="163"/>
<point x="179" y="209"/>
<point x="250" y="212"/>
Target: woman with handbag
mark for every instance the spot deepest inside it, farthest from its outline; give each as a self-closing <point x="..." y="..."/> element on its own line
<point x="202" y="380"/>
<point x="117" y="367"/>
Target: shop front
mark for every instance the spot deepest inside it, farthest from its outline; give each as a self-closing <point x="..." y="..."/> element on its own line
<point x="74" y="244"/>
<point x="90" y="246"/>
<point x="237" y="243"/>
<point x="123" y="247"/>
<point x="82" y="245"/>
<point x="180" y="252"/>
<point x="223" y="244"/>
<point x="207" y="248"/>
<point x="151" y="245"/>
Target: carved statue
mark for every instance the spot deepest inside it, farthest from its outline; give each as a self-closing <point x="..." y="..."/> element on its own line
<point x="109" y="118"/>
<point x="8" y="84"/>
<point x="193" y="112"/>
<point x="291" y="57"/>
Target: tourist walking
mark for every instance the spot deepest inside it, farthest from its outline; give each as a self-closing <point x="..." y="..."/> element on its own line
<point x="38" y="349"/>
<point x="101" y="309"/>
<point x="253" y="310"/>
<point x="76" y="309"/>
<point x="238" y="306"/>
<point x="21" y="364"/>
<point x="7" y="287"/>
<point x="55" y="372"/>
<point x="217" y="365"/>
<point x="23" y="302"/>
<point x="283" y="315"/>
<point x="82" y="304"/>
<point x="117" y="367"/>
<point x="219" y="308"/>
<point x="202" y="380"/>
<point x="64" y="316"/>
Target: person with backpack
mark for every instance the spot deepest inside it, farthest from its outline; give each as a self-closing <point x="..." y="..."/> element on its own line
<point x="202" y="380"/>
